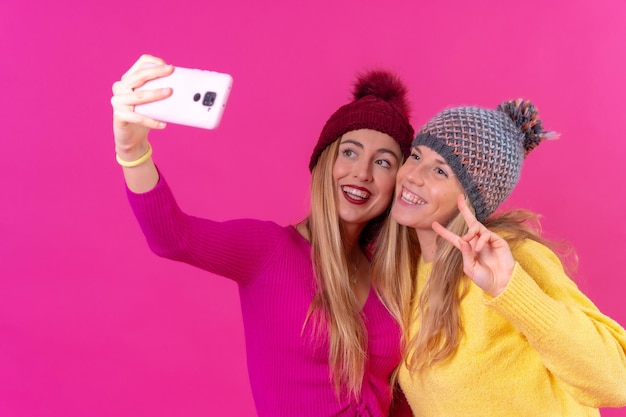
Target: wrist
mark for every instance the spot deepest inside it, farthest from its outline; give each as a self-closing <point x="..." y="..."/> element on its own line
<point x="135" y="156"/>
<point x="132" y="152"/>
<point x="504" y="278"/>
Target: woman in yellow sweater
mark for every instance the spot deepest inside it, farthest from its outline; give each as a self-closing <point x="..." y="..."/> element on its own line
<point x="492" y="324"/>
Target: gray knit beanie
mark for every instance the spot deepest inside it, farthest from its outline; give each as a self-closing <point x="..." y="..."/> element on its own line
<point x="485" y="148"/>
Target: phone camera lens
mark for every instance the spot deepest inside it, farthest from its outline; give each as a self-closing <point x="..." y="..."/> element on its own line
<point x="209" y="98"/>
<point x="196" y="96"/>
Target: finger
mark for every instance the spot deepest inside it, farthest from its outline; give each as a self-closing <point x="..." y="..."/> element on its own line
<point x="497" y="242"/>
<point x="472" y="242"/>
<point x="135" y="98"/>
<point x="124" y="116"/>
<point x="469" y="257"/>
<point x="478" y="235"/>
<point x="144" y="61"/>
<point x="485" y="237"/>
<point x="467" y="214"/>
<point x="474" y="227"/>
<point x="117" y="87"/>
<point x="446" y="234"/>
<point x="473" y="231"/>
<point x="139" y="77"/>
<point x="467" y="250"/>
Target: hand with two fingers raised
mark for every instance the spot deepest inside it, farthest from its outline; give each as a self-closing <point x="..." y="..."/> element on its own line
<point x="487" y="257"/>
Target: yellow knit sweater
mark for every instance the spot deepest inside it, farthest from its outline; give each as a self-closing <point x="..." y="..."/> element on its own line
<point x="540" y="348"/>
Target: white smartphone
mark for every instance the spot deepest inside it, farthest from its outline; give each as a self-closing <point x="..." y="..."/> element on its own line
<point x="198" y="98"/>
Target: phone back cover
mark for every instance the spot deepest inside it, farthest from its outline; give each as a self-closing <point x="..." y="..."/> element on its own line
<point x="181" y="107"/>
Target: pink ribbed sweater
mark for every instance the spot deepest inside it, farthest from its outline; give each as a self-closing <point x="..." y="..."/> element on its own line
<point x="289" y="372"/>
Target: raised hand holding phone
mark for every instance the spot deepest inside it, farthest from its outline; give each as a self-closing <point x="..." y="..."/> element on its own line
<point x="130" y="129"/>
<point x="151" y="93"/>
<point x="198" y="98"/>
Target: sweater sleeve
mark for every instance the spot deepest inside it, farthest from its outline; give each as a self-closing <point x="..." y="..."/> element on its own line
<point x="579" y="345"/>
<point x="236" y="249"/>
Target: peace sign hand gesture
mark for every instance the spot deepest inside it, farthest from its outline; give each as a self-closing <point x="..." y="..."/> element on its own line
<point x="487" y="258"/>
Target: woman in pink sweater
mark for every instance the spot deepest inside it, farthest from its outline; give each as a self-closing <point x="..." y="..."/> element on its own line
<point x="319" y="342"/>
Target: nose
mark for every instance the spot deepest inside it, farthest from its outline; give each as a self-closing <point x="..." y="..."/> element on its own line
<point x="363" y="171"/>
<point x="414" y="174"/>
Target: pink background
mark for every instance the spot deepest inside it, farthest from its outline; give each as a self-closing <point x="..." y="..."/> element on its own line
<point x="93" y="324"/>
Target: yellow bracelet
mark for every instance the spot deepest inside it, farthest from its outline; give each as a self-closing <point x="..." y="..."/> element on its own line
<point x="136" y="162"/>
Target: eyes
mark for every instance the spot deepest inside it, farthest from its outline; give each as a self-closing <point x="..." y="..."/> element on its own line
<point x="383" y="163"/>
<point x="439" y="170"/>
<point x="349" y="153"/>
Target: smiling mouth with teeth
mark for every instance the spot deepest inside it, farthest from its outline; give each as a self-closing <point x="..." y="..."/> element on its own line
<point x="354" y="193"/>
<point x="411" y="198"/>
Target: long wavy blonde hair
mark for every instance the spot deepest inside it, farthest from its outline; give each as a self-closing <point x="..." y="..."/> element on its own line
<point x="438" y="308"/>
<point x="335" y="308"/>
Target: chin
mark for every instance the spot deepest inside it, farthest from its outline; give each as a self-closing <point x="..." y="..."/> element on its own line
<point x="398" y="217"/>
<point x="402" y="221"/>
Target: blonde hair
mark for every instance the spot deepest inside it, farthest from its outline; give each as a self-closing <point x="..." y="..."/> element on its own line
<point x="438" y="309"/>
<point x="334" y="307"/>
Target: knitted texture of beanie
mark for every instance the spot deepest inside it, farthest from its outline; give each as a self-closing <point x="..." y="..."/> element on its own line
<point x="379" y="103"/>
<point x="485" y="148"/>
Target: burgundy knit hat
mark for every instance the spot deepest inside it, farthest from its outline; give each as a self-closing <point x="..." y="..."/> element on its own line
<point x="379" y="103"/>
